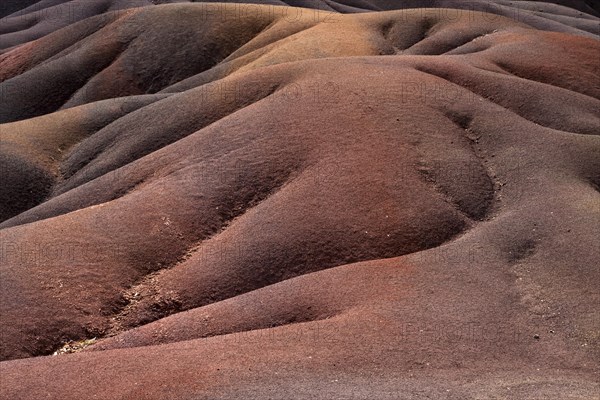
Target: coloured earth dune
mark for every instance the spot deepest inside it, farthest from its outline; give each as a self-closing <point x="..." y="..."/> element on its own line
<point x="351" y="199"/>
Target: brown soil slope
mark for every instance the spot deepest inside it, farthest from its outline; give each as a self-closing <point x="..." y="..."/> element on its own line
<point x="46" y="16"/>
<point x="393" y="205"/>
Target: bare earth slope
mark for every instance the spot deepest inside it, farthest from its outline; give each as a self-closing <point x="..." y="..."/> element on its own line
<point x="578" y="17"/>
<point x="216" y="202"/>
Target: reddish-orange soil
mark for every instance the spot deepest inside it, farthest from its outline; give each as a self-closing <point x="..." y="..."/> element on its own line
<point x="361" y="199"/>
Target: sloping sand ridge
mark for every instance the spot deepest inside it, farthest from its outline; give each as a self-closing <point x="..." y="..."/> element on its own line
<point x="304" y="199"/>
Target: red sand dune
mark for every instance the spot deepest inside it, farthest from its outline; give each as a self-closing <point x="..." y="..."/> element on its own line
<point x="219" y="201"/>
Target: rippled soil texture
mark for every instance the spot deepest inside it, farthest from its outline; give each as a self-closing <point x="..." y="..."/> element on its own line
<point x="229" y="201"/>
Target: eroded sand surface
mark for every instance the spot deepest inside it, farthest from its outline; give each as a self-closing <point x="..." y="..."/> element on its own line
<point x="217" y="201"/>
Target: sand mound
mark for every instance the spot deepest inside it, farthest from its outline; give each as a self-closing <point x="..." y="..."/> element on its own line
<point x="208" y="202"/>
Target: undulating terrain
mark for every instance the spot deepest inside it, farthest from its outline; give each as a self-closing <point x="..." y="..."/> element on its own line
<point x="300" y="199"/>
